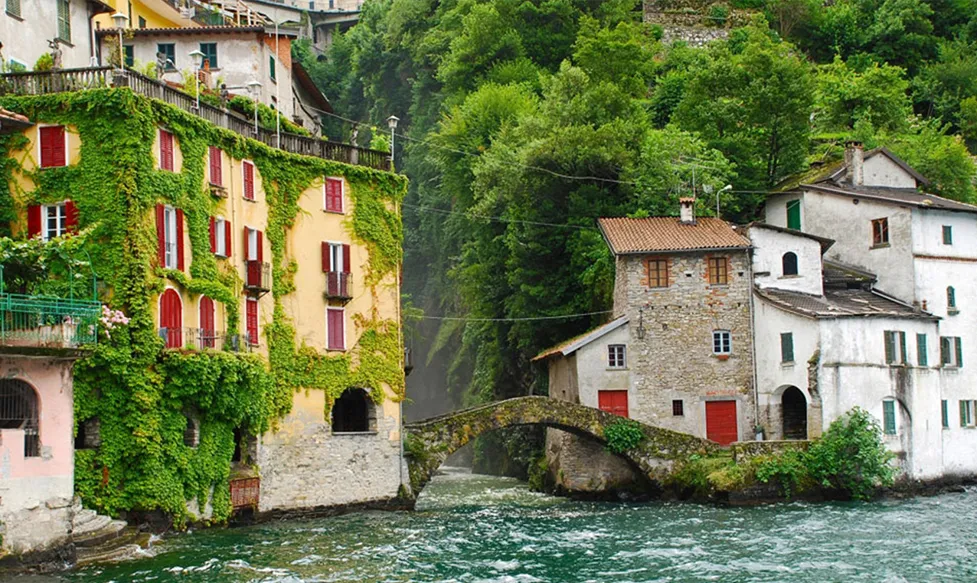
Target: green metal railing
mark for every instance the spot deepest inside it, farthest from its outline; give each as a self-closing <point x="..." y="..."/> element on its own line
<point x="47" y="322"/>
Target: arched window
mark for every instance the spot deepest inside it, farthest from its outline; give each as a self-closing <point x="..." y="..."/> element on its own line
<point x="790" y="263"/>
<point x="951" y="298"/>
<point x="19" y="409"/>
<point x="353" y="412"/>
<point x="171" y="318"/>
<point x="191" y="433"/>
<point x="208" y="332"/>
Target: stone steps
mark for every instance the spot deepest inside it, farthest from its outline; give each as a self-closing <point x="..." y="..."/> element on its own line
<point x="98" y="538"/>
<point x="126" y="545"/>
<point x="109" y="530"/>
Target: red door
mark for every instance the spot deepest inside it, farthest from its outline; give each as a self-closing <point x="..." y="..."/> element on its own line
<point x="721" y="422"/>
<point x="207" y="331"/>
<point x="615" y="402"/>
<point x="171" y="318"/>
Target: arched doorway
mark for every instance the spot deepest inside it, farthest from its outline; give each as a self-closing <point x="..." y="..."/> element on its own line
<point x="354" y="412"/>
<point x="171" y="318"/>
<point x="208" y="332"/>
<point x="793" y="406"/>
<point x="20" y="409"/>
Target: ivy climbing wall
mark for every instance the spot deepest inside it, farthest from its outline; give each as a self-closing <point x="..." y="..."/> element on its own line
<point x="142" y="394"/>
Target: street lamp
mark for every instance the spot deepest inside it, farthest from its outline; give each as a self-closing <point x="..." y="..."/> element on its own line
<point x="197" y="58"/>
<point x="120" y="21"/>
<point x="392" y="124"/>
<point x="721" y="190"/>
<point x="253" y="87"/>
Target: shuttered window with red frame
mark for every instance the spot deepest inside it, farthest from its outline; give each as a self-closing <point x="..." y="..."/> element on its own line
<point x="252" y="321"/>
<point x="216" y="167"/>
<point x="335" y="329"/>
<point x="52" y="220"/>
<point x="165" y="150"/>
<point x="248" y="181"/>
<point x="53" y="153"/>
<point x="334" y="195"/>
<point x="169" y="237"/>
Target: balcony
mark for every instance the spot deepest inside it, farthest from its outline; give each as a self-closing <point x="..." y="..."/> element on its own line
<point x="339" y="286"/>
<point x="202" y="339"/>
<point x="257" y="279"/>
<point x="47" y="322"/>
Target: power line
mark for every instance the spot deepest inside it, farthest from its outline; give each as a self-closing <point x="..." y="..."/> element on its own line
<point x="538" y="318"/>
<point x="498" y="219"/>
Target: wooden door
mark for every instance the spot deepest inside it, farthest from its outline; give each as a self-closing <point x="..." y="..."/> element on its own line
<point x="615" y="402"/>
<point x="721" y="422"/>
<point x="171" y="318"/>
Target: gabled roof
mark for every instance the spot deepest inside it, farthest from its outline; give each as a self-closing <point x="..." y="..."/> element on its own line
<point x="574" y="344"/>
<point x="668" y="234"/>
<point x="842" y="303"/>
<point x="839" y="173"/>
<point x="301" y="77"/>
<point x="901" y="196"/>
<point x="824" y="241"/>
<point x="837" y="274"/>
<point x="11" y="121"/>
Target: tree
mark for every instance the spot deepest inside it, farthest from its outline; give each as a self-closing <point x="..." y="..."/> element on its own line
<point x="876" y="95"/>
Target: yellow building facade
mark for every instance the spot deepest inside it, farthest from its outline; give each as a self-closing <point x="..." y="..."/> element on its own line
<point x="145" y="14"/>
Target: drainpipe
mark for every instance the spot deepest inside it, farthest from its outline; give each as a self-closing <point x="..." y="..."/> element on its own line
<point x="400" y="344"/>
<point x="756" y="387"/>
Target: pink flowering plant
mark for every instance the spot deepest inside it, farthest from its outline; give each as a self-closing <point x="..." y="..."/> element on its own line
<point x="112" y="318"/>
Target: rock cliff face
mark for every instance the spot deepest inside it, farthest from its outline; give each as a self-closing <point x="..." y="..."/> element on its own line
<point x="695" y="22"/>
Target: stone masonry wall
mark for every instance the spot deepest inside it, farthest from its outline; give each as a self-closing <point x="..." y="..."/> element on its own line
<point x="675" y="359"/>
<point x="582" y="466"/>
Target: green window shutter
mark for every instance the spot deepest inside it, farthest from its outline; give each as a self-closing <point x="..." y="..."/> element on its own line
<point x="944" y="350"/>
<point x="889" y="417"/>
<point x="271" y="66"/>
<point x="922" y="358"/>
<point x="947" y="235"/>
<point x="13" y="7"/>
<point x="64" y="20"/>
<point x="890" y="347"/>
<point x="787" y="347"/>
<point x="945" y="412"/>
<point x="902" y="348"/>
<point x="963" y="413"/>
<point x="959" y="348"/>
<point x="794" y="214"/>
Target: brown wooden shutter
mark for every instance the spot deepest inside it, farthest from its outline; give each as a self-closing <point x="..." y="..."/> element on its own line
<point x="326" y="258"/>
<point x="260" y="237"/>
<point x="216" y="173"/>
<point x="52" y="146"/>
<point x="227" y="237"/>
<point x="71" y="216"/>
<point x="248" y="181"/>
<point x="33" y="220"/>
<point x="213" y="235"/>
<point x="245" y="248"/>
<point x="161" y="234"/>
<point x="179" y="239"/>
<point x="346" y="261"/>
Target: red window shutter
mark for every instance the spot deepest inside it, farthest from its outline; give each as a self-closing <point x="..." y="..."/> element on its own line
<point x="335" y="322"/>
<point x="248" y="181"/>
<point x="165" y="150"/>
<point x="213" y="235"/>
<point x="326" y="257"/>
<point x="71" y="216"/>
<point x="161" y="234"/>
<point x="334" y="195"/>
<point x="252" y="321"/>
<point x="52" y="146"/>
<point x="246" y="248"/>
<point x="216" y="166"/>
<point x="227" y="237"/>
<point x="260" y="246"/>
<point x="33" y="220"/>
<point x="346" y="260"/>
<point x="179" y="239"/>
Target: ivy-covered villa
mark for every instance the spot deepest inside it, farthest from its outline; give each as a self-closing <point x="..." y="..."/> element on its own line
<point x="253" y="356"/>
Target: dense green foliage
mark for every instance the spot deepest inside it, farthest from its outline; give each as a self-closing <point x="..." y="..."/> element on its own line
<point x="622" y="435"/>
<point x="142" y="395"/>
<point x="524" y="120"/>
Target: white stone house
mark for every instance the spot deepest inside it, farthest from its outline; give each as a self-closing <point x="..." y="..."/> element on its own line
<point x="26" y="27"/>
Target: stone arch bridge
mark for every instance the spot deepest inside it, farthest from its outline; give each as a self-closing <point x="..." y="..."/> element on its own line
<point x="429" y="442"/>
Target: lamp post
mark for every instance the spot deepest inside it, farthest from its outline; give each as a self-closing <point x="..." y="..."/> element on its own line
<point x="253" y="87"/>
<point x="721" y="190"/>
<point x="392" y="124"/>
<point x="120" y="21"/>
<point x="197" y="58"/>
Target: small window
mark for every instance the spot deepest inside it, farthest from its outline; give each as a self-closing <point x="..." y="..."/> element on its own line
<point x="248" y="170"/>
<point x="252" y="321"/>
<point x="55" y="221"/>
<point x="790" y="263"/>
<point x="787" y="347"/>
<point x="335" y="329"/>
<point x="967" y="413"/>
<point x="221" y="237"/>
<point x="656" y="272"/>
<point x="951" y="299"/>
<point x="794" y="214"/>
<point x="165" y="150"/>
<point x="889" y="417"/>
<point x="142" y="22"/>
<point x="922" y="356"/>
<point x="64" y="20"/>
<point x="895" y="347"/>
<point x="166" y="55"/>
<point x="129" y="52"/>
<point x="945" y="414"/>
<point x="354" y="412"/>
<point x="616" y="356"/>
<point x="89" y="434"/>
<point x="722" y="343"/>
<point x="13" y="8"/>
<point x="53" y="146"/>
<point x="191" y="433"/>
<point x="951" y="351"/>
<point x="718" y="271"/>
<point x="678" y="408"/>
<point x="210" y="55"/>
<point x="216" y="164"/>
<point x="332" y="195"/>
<point x="880" y="232"/>
<point x="170" y="251"/>
<point x="19" y="410"/>
<point x="271" y="68"/>
<point x="947" y="235"/>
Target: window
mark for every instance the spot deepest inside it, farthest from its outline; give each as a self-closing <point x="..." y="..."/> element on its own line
<point x="678" y="408"/>
<point x="922" y="356"/>
<point x="895" y="347"/>
<point x="129" y="52"/>
<point x="64" y="20"/>
<point x="19" y="410"/>
<point x="165" y="150"/>
<point x="790" y="263"/>
<point x="253" y="244"/>
<point x="53" y="146"/>
<point x="794" y="214"/>
<point x="170" y="241"/>
<point x="191" y="433"/>
<point x="656" y="272"/>
<point x="889" y="417"/>
<point x="947" y="235"/>
<point x="216" y="166"/>
<point x="248" y="169"/>
<point x="210" y="55"/>
<point x="353" y="412"/>
<point x="967" y="413"/>
<point x="142" y="22"/>
<point x="55" y="220"/>
<point x="220" y="236"/>
<point x="207" y="322"/>
<point x="951" y="300"/>
<point x="787" y="347"/>
<point x="166" y="53"/>
<point x="333" y="195"/>
<point x="951" y="351"/>
<point x="722" y="342"/>
<point x="89" y="434"/>
<point x="945" y="414"/>
<point x="335" y="329"/>
<point x="616" y="356"/>
<point x="718" y="271"/>
<point x="271" y="68"/>
<point x="13" y="8"/>
<point x="171" y="318"/>
<point x="252" y="321"/>
<point x="880" y="232"/>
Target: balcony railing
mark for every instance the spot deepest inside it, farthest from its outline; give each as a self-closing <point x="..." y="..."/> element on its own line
<point x="339" y="285"/>
<point x="48" y="322"/>
<point x="203" y="339"/>
<point x="41" y="83"/>
<point x="258" y="276"/>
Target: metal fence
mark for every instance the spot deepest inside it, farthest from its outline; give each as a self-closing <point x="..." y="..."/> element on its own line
<point x="47" y="322"/>
<point x="40" y="83"/>
<point x="203" y="339"/>
<point x="258" y="275"/>
<point x="339" y="285"/>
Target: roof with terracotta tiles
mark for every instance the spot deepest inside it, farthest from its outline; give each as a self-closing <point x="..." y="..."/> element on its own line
<point x="665" y="234"/>
<point x="11" y="121"/>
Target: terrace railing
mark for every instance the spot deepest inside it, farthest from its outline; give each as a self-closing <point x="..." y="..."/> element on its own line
<point x="203" y="339"/>
<point x="39" y="321"/>
<point x="40" y="83"/>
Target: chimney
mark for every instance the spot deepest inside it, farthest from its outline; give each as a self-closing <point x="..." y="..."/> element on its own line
<point x="687" y="210"/>
<point x="855" y="162"/>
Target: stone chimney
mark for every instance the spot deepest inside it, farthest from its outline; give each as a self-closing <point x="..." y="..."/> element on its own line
<point x="687" y="210"/>
<point x="855" y="162"/>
